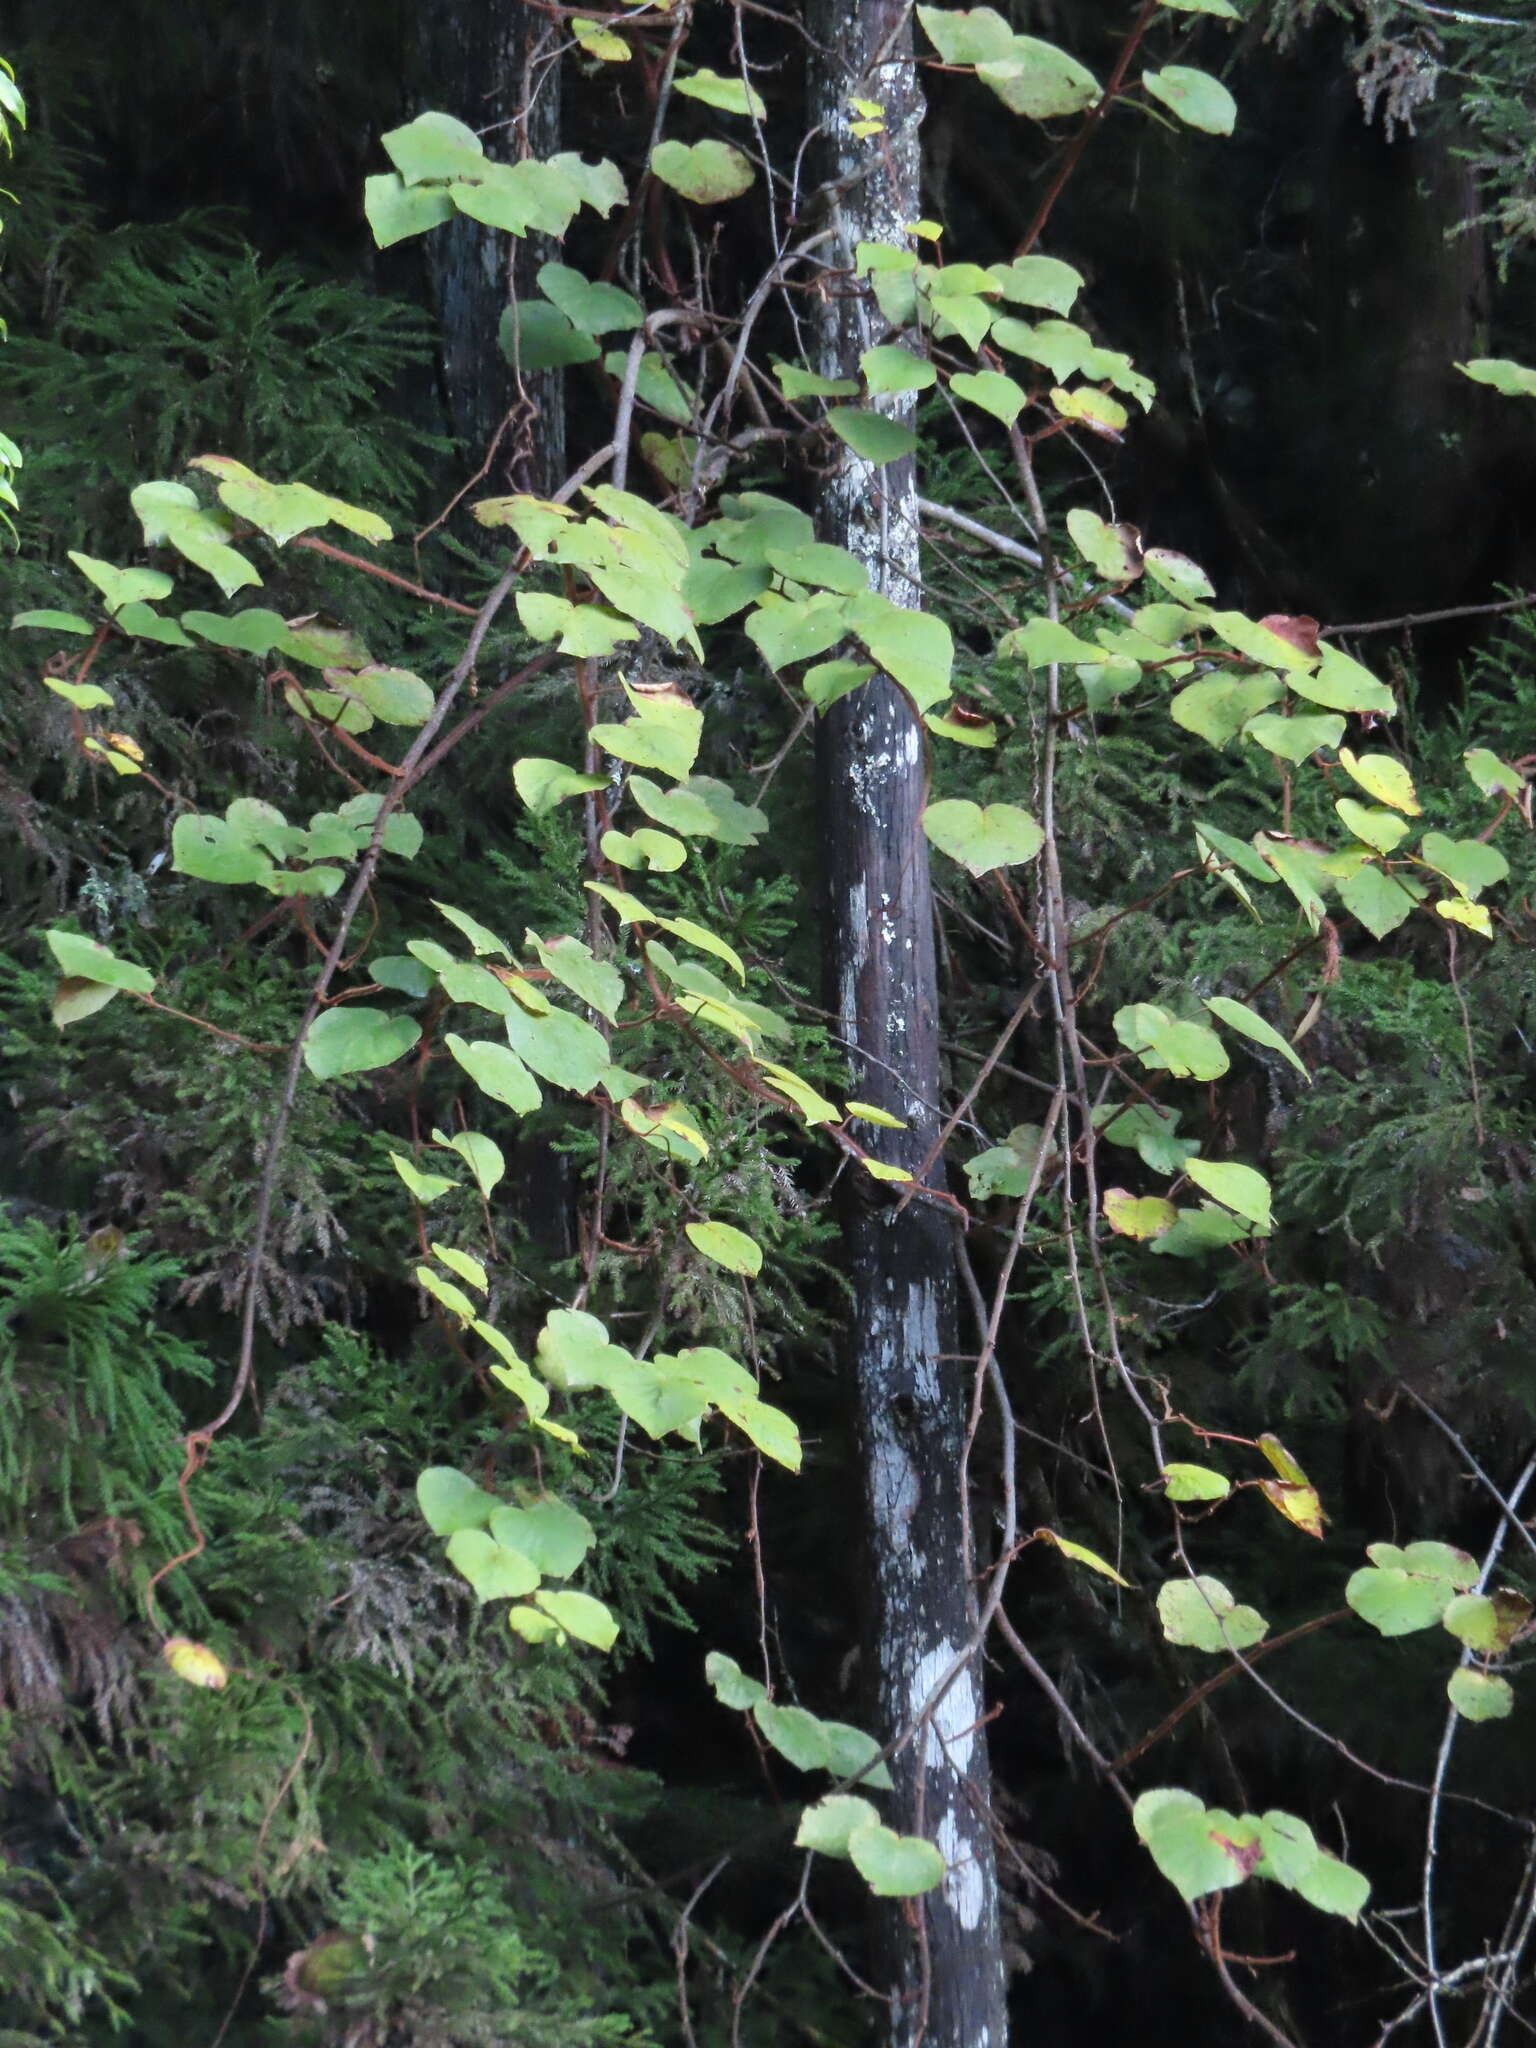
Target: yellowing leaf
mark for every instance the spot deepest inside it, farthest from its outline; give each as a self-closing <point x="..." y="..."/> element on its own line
<point x="1383" y="777"/>
<point x="1138" y="1216"/>
<point x="873" y="1115"/>
<point x="1282" y="1461"/>
<point x="1080" y="1554"/>
<point x="1095" y="410"/>
<point x="726" y="1246"/>
<point x="1473" y="915"/>
<point x="195" y="1663"/>
<point x="1195" y="1482"/>
<point x="1298" y="1504"/>
<point x="597" y="41"/>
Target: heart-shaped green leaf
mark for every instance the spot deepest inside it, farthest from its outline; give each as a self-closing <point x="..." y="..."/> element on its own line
<point x="495" y="1572"/>
<point x="705" y="172"/>
<point x="353" y="1039"/>
<point x="998" y="836"/>
<point x="1198" y="99"/>
<point x="894" y="1866"/>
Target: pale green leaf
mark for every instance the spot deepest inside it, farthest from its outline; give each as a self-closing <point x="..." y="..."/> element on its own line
<point x="705" y="172"/>
<point x="981" y="839"/>
<point x="1198" y="1850"/>
<point x="426" y="1187"/>
<point x="542" y="784"/>
<point x="1217" y="707"/>
<point x="1469" y="865"/>
<point x="823" y="567"/>
<point x="588" y="631"/>
<point x="1080" y="1554"/>
<point x="462" y="1263"/>
<point x="1187" y="1050"/>
<point x="1383" y="830"/>
<point x="480" y="1154"/>
<point x="1039" y="80"/>
<point x="1200" y="1614"/>
<point x="1493" y="776"/>
<point x="1199" y="100"/>
<point x="797" y="1735"/>
<point x="895" y="1866"/>
<point x="1480" y="1695"/>
<point x="1152" y="1130"/>
<point x="1383" y="777"/>
<point x="1195" y="1482"/>
<point x="563" y="1048"/>
<point x="353" y="1039"/>
<point x="434" y="147"/>
<point x="889" y="369"/>
<point x="451" y="1501"/>
<point x="730" y="95"/>
<point x="1038" y="281"/>
<point x="497" y="1071"/>
<point x="966" y="36"/>
<point x="1343" y="685"/>
<point x="730" y="1684"/>
<point x="580" y="1615"/>
<point x="84" y="959"/>
<point x="495" y="1572"/>
<point x="799" y="383"/>
<point x="395" y="211"/>
<point x="915" y="649"/>
<point x="1397" y="1602"/>
<point x="826" y="1826"/>
<point x="650" y="852"/>
<point x="1514" y="380"/>
<point x="598" y="983"/>
<point x="1043" y="641"/>
<point x="1294" y="739"/>
<point x="871" y="435"/>
<point x="1115" y="551"/>
<point x="1378" y="899"/>
<point x="726" y="1246"/>
<point x="553" y="1534"/>
<point x="56" y="622"/>
<point x="170" y="512"/>
<point x="537" y="336"/>
<point x="786" y="631"/>
<point x="991" y="391"/>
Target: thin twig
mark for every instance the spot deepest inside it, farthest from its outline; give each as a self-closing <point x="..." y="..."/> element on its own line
<point x="1455" y="611"/>
<point x="393" y="797"/>
<point x="1443" y="1764"/>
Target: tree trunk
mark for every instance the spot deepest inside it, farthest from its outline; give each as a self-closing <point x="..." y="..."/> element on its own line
<point x="491" y="62"/>
<point x="911" y="1392"/>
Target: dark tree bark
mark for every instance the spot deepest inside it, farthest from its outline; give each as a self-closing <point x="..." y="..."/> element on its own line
<point x="912" y="1394"/>
<point x="492" y="63"/>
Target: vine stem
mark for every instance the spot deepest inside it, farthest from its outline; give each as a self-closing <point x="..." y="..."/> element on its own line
<point x="394" y="796"/>
<point x="1091" y="120"/>
<point x="1442" y="1767"/>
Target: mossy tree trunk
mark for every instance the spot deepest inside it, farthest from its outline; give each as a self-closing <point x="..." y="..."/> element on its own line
<point x="942" y="1956"/>
<point x="491" y="62"/>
